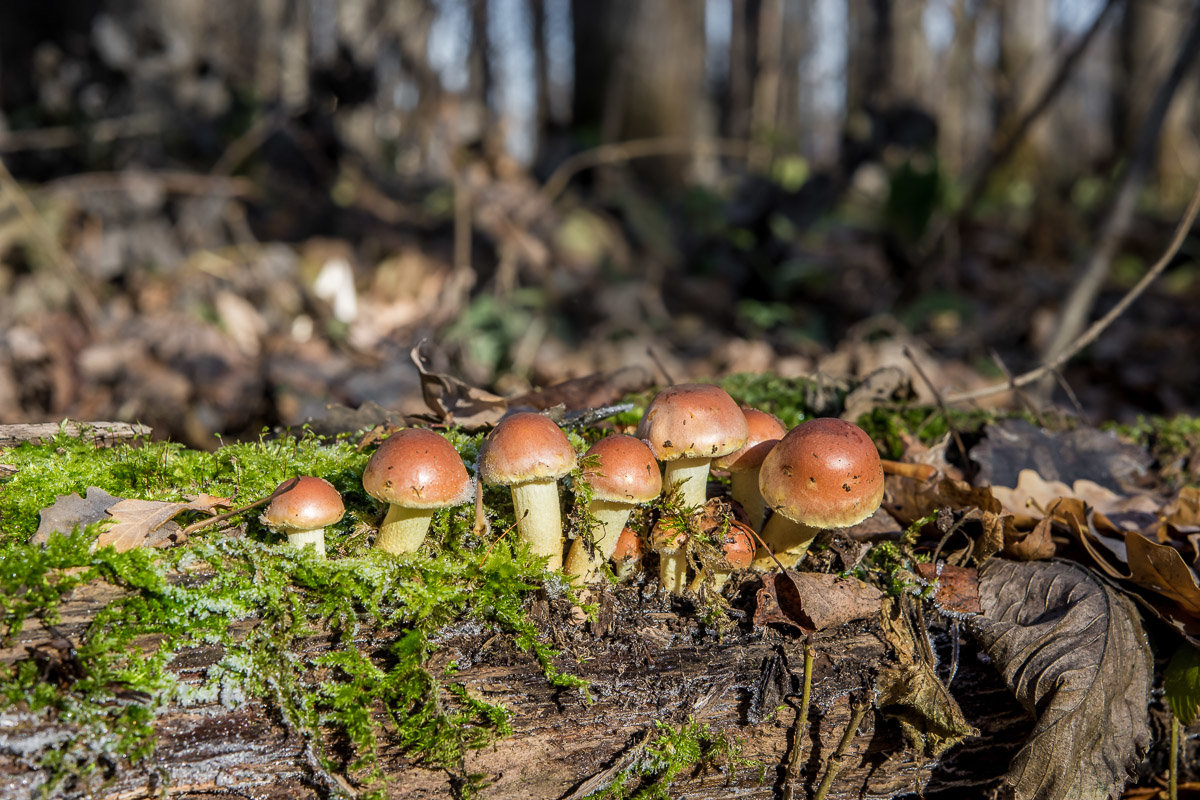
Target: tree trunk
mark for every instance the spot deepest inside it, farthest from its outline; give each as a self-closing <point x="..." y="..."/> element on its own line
<point x="1026" y="59"/>
<point x="1149" y="34"/>
<point x="647" y="662"/>
<point x="639" y="73"/>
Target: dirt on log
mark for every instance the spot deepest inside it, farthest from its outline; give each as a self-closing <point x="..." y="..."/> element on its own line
<point x="648" y="659"/>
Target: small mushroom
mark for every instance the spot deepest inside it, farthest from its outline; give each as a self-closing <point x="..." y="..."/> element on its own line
<point x="763" y="432"/>
<point x="737" y="552"/>
<point x="622" y="474"/>
<point x="304" y="510"/>
<point x="825" y="473"/>
<point x="627" y="556"/>
<point x="529" y="453"/>
<point x="687" y="426"/>
<point x="669" y="539"/>
<point x="416" y="472"/>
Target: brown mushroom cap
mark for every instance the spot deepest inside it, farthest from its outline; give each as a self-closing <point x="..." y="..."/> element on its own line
<point x="311" y="504"/>
<point x="739" y="545"/>
<point x="622" y="469"/>
<point x="693" y="420"/>
<point x="523" y="447"/>
<point x="629" y="546"/>
<point x="417" y="468"/>
<point x="825" y="473"/>
<point x="763" y="431"/>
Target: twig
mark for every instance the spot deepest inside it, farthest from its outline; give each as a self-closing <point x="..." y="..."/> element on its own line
<point x="204" y="523"/>
<point x="104" y="130"/>
<point x="905" y="469"/>
<point x="858" y="710"/>
<point x="627" y="151"/>
<point x="650" y="351"/>
<point x="1119" y="215"/>
<point x="1003" y="148"/>
<point x="1022" y="396"/>
<point x="941" y="404"/>
<point x="794" y="752"/>
<point x="1173" y="761"/>
<point x="1099" y="326"/>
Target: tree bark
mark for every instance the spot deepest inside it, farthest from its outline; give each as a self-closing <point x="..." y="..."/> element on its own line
<point x="646" y="663"/>
<point x="639" y="73"/>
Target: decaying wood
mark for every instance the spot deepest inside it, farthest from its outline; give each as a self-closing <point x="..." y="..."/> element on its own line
<point x="104" y="433"/>
<point x="651" y="662"/>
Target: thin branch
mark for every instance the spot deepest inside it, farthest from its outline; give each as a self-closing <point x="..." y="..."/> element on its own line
<point x="619" y="152"/>
<point x="1119" y="216"/>
<point x="1006" y="143"/>
<point x="1099" y="326"/>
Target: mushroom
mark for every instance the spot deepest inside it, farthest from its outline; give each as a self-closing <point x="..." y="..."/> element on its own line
<point x="528" y="452"/>
<point x="763" y="432"/>
<point x="687" y="426"/>
<point x="669" y="539"/>
<point x="303" y="510"/>
<point x="627" y="556"/>
<point x="416" y="472"/>
<point x="825" y="473"/>
<point x="622" y="474"/>
<point x="737" y="552"/>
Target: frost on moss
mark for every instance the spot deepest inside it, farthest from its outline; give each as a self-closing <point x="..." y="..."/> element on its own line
<point x="259" y="601"/>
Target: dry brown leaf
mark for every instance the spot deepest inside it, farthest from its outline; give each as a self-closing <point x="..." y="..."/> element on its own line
<point x="813" y="601"/>
<point x="135" y="523"/>
<point x="150" y="523"/>
<point x="957" y="589"/>
<point x="1160" y="568"/>
<point x="453" y="401"/>
<point x="911" y="692"/>
<point x="1072" y="650"/>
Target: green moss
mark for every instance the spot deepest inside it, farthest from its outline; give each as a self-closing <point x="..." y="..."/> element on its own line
<point x="1173" y="441"/>
<point x="790" y="399"/>
<point x="673" y="753"/>
<point x="260" y="602"/>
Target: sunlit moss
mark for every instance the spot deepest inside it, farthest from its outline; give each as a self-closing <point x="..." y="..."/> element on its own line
<point x="673" y="753"/>
<point x="118" y="676"/>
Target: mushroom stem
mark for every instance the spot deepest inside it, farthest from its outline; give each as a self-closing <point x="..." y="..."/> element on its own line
<point x="672" y="570"/>
<point x="787" y="539"/>
<point x="314" y="539"/>
<point x="719" y="578"/>
<point x="585" y="557"/>
<point x="403" y="529"/>
<point x="691" y="475"/>
<point x="744" y="488"/>
<point x="539" y="521"/>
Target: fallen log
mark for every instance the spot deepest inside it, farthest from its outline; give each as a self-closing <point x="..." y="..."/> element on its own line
<point x="650" y="662"/>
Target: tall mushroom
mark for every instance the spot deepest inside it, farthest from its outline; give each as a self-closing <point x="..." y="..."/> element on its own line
<point x="416" y="472"/>
<point x="622" y="473"/>
<point x="825" y="473"/>
<point x="529" y="453"/>
<point x="303" y="511"/>
<point x="687" y="426"/>
<point x="763" y="432"/>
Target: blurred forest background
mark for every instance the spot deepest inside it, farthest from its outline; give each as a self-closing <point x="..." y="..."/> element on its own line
<point x="223" y="215"/>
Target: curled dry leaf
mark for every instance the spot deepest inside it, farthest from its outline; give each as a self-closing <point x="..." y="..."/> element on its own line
<point x="135" y="523"/>
<point x="957" y="591"/>
<point x="1073" y="651"/>
<point x="912" y="693"/>
<point x="813" y="601"/>
<point x="454" y="401"/>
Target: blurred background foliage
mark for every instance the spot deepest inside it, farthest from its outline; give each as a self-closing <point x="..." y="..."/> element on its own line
<point x="248" y="208"/>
